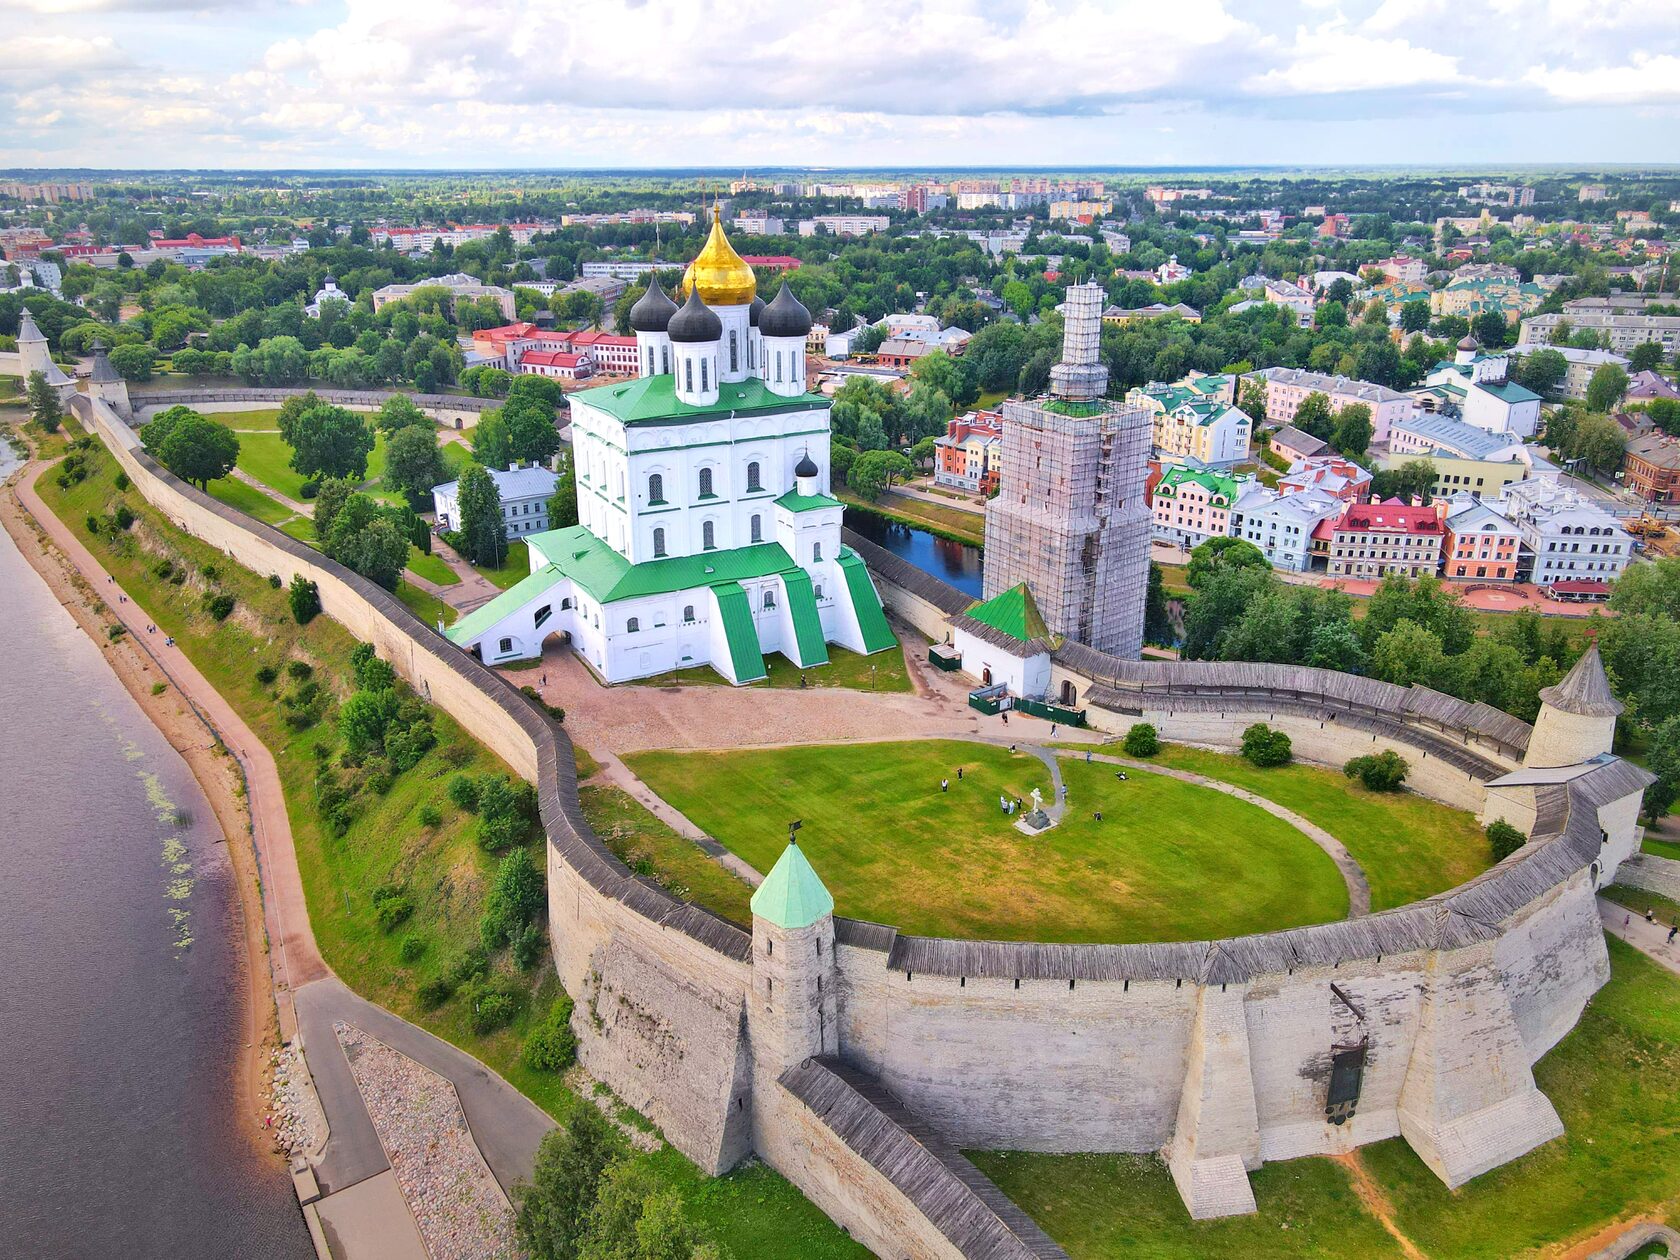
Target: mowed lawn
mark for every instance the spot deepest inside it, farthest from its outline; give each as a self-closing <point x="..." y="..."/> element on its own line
<point x="1409" y="846"/>
<point x="1169" y="861"/>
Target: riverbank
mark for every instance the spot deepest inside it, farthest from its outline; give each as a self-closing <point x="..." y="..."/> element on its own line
<point x="950" y="523"/>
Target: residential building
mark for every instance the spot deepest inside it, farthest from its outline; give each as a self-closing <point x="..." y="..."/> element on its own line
<point x="844" y="224"/>
<point x="1297" y="299"/>
<point x="1625" y="329"/>
<point x="1647" y="386"/>
<point x="611" y="354"/>
<point x="1333" y="474"/>
<point x="1080" y="211"/>
<point x="628" y="269"/>
<point x="1582" y="365"/>
<point x="560" y="365"/>
<point x="1171" y="271"/>
<point x="1651" y="468"/>
<point x="607" y="288"/>
<point x="1403" y="268"/>
<point x="772" y="262"/>
<point x="459" y="285"/>
<point x="525" y="493"/>
<point x="1474" y="388"/>
<point x="1288" y="388"/>
<point x="1372" y="540"/>
<point x="1282" y="525"/>
<point x="1196" y="423"/>
<point x="1480" y="544"/>
<point x="1592" y="192"/>
<point x="1466" y="459"/>
<point x="758" y="223"/>
<point x="1295" y="445"/>
<point x="1566" y="536"/>
<point x="905" y="348"/>
<point x="1191" y="505"/>
<point x="1472" y="297"/>
<point x="969" y="454"/>
<point x="1155" y="310"/>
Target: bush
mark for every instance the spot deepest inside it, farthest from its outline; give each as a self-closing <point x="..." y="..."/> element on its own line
<point x="92" y="523"/>
<point x="273" y="581"/>
<point x="300" y="670"/>
<point x="305" y="600"/>
<point x="1142" y="741"/>
<point x="473" y="964"/>
<point x="122" y="481"/>
<point x="411" y="949"/>
<point x="391" y="905"/>
<point x="1505" y="839"/>
<point x="266" y="674"/>
<point x="515" y="898"/>
<point x="308" y="490"/>
<point x="219" y="606"/>
<point x="1380" y="772"/>
<point x="164" y="569"/>
<point x="372" y="674"/>
<point x="492" y="1009"/>
<point x="122" y="516"/>
<point x="1265" y="747"/>
<point x="435" y="992"/>
<point x="209" y="572"/>
<point x="550" y="1046"/>
<point x="430" y="816"/>
<point x="528" y="946"/>
<point x="463" y="791"/>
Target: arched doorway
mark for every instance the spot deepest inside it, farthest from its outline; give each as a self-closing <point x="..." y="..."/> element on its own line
<point x="986" y="677"/>
<point x="1070" y="693"/>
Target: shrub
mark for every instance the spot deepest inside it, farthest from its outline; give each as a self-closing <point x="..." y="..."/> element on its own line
<point x="514" y="899"/>
<point x="430" y="816"/>
<point x="122" y="481"/>
<point x="1142" y="741"/>
<point x="463" y="791"/>
<point x="1380" y="772"/>
<point x="1505" y="839"/>
<point x="122" y="516"/>
<point x="92" y="523"/>
<point x="300" y="670"/>
<point x="407" y="744"/>
<point x="158" y="688"/>
<point x="309" y="489"/>
<point x="209" y="572"/>
<point x="435" y="992"/>
<point x="550" y="1046"/>
<point x="372" y="674"/>
<point x="219" y="606"/>
<point x="528" y="946"/>
<point x="116" y="632"/>
<point x="305" y="600"/>
<point x="164" y="568"/>
<point x="273" y="581"/>
<point x="391" y="905"/>
<point x="473" y="964"/>
<point x="492" y="1009"/>
<point x="177" y="577"/>
<point x="1265" y="747"/>
<point x="455" y="755"/>
<point x="411" y="949"/>
<point x="266" y="674"/>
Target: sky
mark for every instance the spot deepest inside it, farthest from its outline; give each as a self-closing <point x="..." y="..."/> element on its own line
<point x="457" y="84"/>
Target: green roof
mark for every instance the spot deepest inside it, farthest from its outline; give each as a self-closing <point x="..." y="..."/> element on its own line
<point x="1014" y="613"/>
<point x="1212" y="482"/>
<point x="651" y="400"/>
<point x="793" y="501"/>
<point x="1510" y="392"/>
<point x="511" y="600"/>
<point x="608" y="576"/>
<point x="791" y="895"/>
<point x="746" y="655"/>
<point x="807" y="622"/>
<point x="866" y="604"/>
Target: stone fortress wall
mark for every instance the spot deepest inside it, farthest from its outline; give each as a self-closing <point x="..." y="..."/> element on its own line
<point x="1218" y="1054"/>
<point x="460" y="411"/>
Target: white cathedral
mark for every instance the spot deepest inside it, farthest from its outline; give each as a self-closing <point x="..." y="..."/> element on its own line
<point x="705" y="534"/>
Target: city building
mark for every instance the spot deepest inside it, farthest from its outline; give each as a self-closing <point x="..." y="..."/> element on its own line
<point x="1566" y="536"/>
<point x="1625" y="328"/>
<point x="1474" y="388"/>
<point x="1295" y="445"/>
<point x="1592" y="192"/>
<point x="606" y="288"/>
<point x="627" y="269"/>
<point x="1171" y="271"/>
<point x="1466" y="459"/>
<point x="1287" y="293"/>
<point x="560" y="365"/>
<point x="1372" y="540"/>
<point x="1403" y="268"/>
<point x="1080" y="211"/>
<point x="1480" y="544"/>
<point x="1288" y="388"/>
<point x="458" y="284"/>
<point x="1282" y="525"/>
<point x="970" y="453"/>
<point x="705" y="535"/>
<point x="1191" y="505"/>
<point x="1651" y="468"/>
<point x="1155" y="310"/>
<point x="1582" y="365"/>
<point x="1071" y="519"/>
<point x="524" y="492"/>
<point x="903" y="349"/>
<point x="1195" y="420"/>
<point x="1334" y="474"/>
<point x="328" y="292"/>
<point x="1472" y="297"/>
<point x="758" y="223"/>
<point x="1648" y="386"/>
<point x="844" y="224"/>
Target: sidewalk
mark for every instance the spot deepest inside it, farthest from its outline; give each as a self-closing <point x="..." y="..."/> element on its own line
<point x="1650" y="939"/>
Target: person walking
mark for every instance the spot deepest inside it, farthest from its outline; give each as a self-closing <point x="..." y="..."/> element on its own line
<point x="1087" y="756"/>
<point x="1005" y="716"/>
<point x="1052" y="730"/>
<point x="1672" y="929"/>
<point x="959" y="774"/>
<point x="944" y="785"/>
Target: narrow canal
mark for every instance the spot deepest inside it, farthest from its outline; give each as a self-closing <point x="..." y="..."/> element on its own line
<point x="954" y="562"/>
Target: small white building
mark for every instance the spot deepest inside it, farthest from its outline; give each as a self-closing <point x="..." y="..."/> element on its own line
<point x="1566" y="536"/>
<point x="525" y="493"/>
<point x="1005" y="643"/>
<point x="1282" y="525"/>
<point x="328" y="292"/>
<point x="1475" y="386"/>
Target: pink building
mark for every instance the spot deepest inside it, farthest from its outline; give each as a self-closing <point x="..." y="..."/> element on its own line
<point x="1288" y="388"/>
<point x="1333" y="474"/>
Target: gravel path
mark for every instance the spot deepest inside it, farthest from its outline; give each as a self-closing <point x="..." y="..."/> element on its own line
<point x="461" y="1212"/>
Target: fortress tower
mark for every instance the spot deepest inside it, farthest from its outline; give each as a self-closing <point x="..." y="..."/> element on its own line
<point x="791" y="1015"/>
<point x="1070" y="518"/>
<point x="104" y="382"/>
<point x="1577" y="720"/>
<point x="34" y="356"/>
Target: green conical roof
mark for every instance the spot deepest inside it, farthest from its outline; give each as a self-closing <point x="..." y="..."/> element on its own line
<point x="1014" y="613"/>
<point x="791" y="895"/>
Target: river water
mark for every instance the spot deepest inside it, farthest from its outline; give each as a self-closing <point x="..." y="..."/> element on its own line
<point x="954" y="562"/>
<point x="120" y="980"/>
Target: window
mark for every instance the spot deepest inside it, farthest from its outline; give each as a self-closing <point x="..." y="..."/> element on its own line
<point x="819" y="590"/>
<point x="753" y="473"/>
<point x="705" y="483"/>
<point x="664" y="358"/>
<point x="769" y="598"/>
<point x="506" y="645"/>
<point x="632" y="625"/>
<point x="688" y="612"/>
<point x="658" y="542"/>
<point x="708" y="536"/>
<point x="757" y="528"/>
<point x="704" y="385"/>
<point x="543" y="614"/>
<point x="816" y="552"/>
<point x="656" y="488"/>
<point x="650" y="360"/>
<point x="565" y="603"/>
<point x="734" y="353"/>
<point x="778" y="366"/>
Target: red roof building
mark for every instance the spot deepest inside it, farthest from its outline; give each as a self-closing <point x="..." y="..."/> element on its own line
<point x="1374" y="539"/>
<point x="776" y="262"/>
<point x="560" y="365"/>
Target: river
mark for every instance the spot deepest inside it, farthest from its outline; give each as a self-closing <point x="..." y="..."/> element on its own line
<point x="121" y="986"/>
<point x="955" y="562"/>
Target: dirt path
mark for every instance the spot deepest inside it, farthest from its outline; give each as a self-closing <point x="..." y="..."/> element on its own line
<point x="1376" y="1202"/>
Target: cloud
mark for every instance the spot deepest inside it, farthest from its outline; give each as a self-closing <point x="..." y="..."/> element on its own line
<point x="1647" y="79"/>
<point x="1334" y="59"/>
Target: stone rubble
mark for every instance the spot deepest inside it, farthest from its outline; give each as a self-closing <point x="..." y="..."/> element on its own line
<point x="456" y="1202"/>
<point x="294" y="1120"/>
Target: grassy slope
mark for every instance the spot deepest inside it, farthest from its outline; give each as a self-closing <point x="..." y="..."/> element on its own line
<point x="884" y="671"/>
<point x="1410" y="847"/>
<point x="444" y="868"/>
<point x="431" y="567"/>
<point x="249" y="500"/>
<point x="1170" y="861"/>
<point x="648" y="846"/>
<point x="947" y="522"/>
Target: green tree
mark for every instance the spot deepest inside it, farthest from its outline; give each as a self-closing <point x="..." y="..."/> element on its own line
<point x="1665" y="414"/>
<point x="872" y="473"/>
<point x="1542" y="371"/>
<point x="1157" y="619"/>
<point x="1018" y="297"/>
<point x="1251" y="399"/>
<point x="1492" y="329"/>
<point x="1221" y="555"/>
<point x="376" y="547"/>
<point x="483" y="531"/>
<point x="952" y="377"/>
<point x="515" y="898"/>
<point x="43" y="403"/>
<point x="399" y="412"/>
<point x="1313" y="416"/>
<point x="492" y="440"/>
<point x="364" y="718"/>
<point x="1409" y="654"/>
<point x="413" y="462"/>
<point x="134" y="362"/>
<point x="305" y="600"/>
<point x="1414" y="315"/>
<point x="1647" y="356"/>
<point x="1141" y="740"/>
<point x="1352" y="435"/>
<point x="1414" y="479"/>
<point x="1664" y="762"/>
<point x="329" y="441"/>
<point x="562" y="504"/>
<point x="1598" y="441"/>
<point x="194" y="448"/>
<point x="1606" y="387"/>
<point x="1266" y="747"/>
<point x="552" y="1211"/>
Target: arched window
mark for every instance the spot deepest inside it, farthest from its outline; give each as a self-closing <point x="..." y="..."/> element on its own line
<point x="664" y="358"/>
<point x="656" y="488"/>
<point x="778" y="366"/>
<point x="819" y="590"/>
<point x="565" y="603"/>
<point x="650" y="360"/>
<point x="688" y="612"/>
<point x="632" y="625"/>
<point x="750" y="340"/>
<point x="734" y="353"/>
<point x="658" y="542"/>
<point x="708" y="536"/>
<point x="705" y="483"/>
<point x="753" y="474"/>
<point x="770" y="598"/>
<point x="688" y="375"/>
<point x="542" y="615"/>
<point x="816" y="552"/>
<point x="757" y="528"/>
<point x="704" y="384"/>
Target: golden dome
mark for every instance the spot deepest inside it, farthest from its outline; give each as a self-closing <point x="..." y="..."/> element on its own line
<point x="724" y="280"/>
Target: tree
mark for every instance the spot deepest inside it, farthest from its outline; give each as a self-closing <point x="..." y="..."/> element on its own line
<point x="1414" y="479"/>
<point x="413" y="463"/>
<point x="552" y="1211"/>
<point x="1492" y="329"/>
<point x="1664" y="762"/>
<point x="194" y="448"/>
<point x="1251" y="401"/>
<point x="329" y="441"/>
<point x="952" y="377"/>
<point x="873" y="472"/>
<point x="43" y="403"/>
<point x="399" y="412"/>
<point x="1352" y="435"/>
<point x="1221" y="555"/>
<point x="532" y="436"/>
<point x="514" y="900"/>
<point x="1647" y="356"/>
<point x="134" y="362"/>
<point x="1598" y="441"/>
<point x="1378" y="362"/>
<point x="1542" y="371"/>
<point x="492" y="440"/>
<point x="562" y="504"/>
<point x="1379" y="772"/>
<point x="1265" y="747"/>
<point x="1414" y="315"/>
<point x="1313" y="416"/>
<point x="1157" y="621"/>
<point x="305" y="600"/>
<point x="1504" y="838"/>
<point x="923" y="453"/>
<point x="1606" y="387"/>
<point x="1409" y="654"/>
<point x="1665" y="414"/>
<point x="1339" y="291"/>
<point x="1141" y="740"/>
<point x="483" y="531"/>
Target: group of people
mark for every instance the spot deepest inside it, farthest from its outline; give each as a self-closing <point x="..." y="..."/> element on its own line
<point x="1651" y="918"/>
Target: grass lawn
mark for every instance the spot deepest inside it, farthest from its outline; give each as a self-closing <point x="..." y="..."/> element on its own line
<point x="446" y="873"/>
<point x="1103" y="1207"/>
<point x="884" y="671"/>
<point x="250" y="500"/>
<point x="1170" y="862"/>
<point x="431" y="567"/>
<point x="301" y="528"/>
<point x="266" y="457"/>
<point x="1660" y="848"/>
<point x="1639" y="901"/>
<point x="649" y="847"/>
<point x="989" y="399"/>
<point x="516" y="567"/>
<point x="1410" y="847"/>
<point x="248" y="421"/>
<point x="424" y="605"/>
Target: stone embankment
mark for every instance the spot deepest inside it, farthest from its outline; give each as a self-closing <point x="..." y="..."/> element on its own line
<point x="294" y="1112"/>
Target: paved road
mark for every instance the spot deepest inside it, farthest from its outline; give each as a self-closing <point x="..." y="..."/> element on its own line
<point x="1650" y="939"/>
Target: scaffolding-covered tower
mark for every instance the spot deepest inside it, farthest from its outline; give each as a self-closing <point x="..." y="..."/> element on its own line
<point x="1070" y="519"/>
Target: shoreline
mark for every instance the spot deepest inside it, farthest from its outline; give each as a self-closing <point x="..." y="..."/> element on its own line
<point x="217" y="773"/>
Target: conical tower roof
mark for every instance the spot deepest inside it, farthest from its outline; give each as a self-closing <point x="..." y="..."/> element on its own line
<point x="791" y="895"/>
<point x="1014" y="612"/>
<point x="1585" y="690"/>
<point x="27" y="331"/>
<point x="103" y="373"/>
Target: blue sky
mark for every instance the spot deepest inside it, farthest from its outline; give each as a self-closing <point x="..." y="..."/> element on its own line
<point x="498" y="83"/>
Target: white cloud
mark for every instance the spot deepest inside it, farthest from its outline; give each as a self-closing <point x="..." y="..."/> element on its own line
<point x="1336" y="59"/>
<point x="1647" y="79"/>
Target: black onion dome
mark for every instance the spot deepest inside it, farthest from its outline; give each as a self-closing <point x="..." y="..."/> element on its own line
<point x="806" y="467"/>
<point x="785" y="317"/>
<point x="1467" y="342"/>
<point x="755" y="310"/>
<point x="653" y="310"/>
<point x="695" y="322"/>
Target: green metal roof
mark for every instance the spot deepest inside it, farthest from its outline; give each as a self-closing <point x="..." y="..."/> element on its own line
<point x="511" y="600"/>
<point x="746" y="656"/>
<point x="608" y="576"/>
<point x="1510" y="392"/>
<point x="807" y="623"/>
<point x="872" y="621"/>
<point x="791" y="895"/>
<point x="1014" y="613"/>
<point x="1214" y="483"/>
<point x="651" y="400"/>
<point x="793" y="501"/>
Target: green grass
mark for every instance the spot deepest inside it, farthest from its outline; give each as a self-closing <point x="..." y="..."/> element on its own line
<point x="1639" y="901"/>
<point x="515" y="568"/>
<point x="884" y="671"/>
<point x="753" y="1212"/>
<point x="265" y="456"/>
<point x="1170" y="862"/>
<point x="301" y="528"/>
<point x="247" y="421"/>
<point x="1103" y="1207"/>
<point x="649" y="847"/>
<point x="249" y="500"/>
<point x="424" y="605"/>
<point x="431" y="567"/>
<point x="1660" y="848"/>
<point x="1409" y="846"/>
